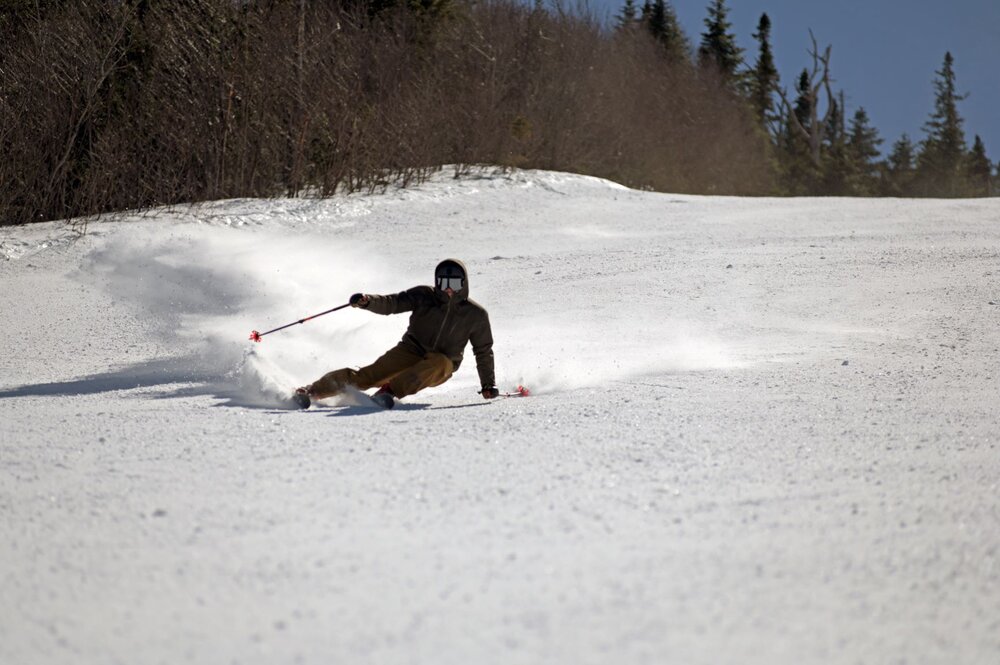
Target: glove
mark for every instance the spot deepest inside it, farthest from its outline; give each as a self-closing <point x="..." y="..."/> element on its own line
<point x="359" y="300"/>
<point x="490" y="392"/>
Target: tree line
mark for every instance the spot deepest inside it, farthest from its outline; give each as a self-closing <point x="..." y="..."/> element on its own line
<point x="815" y="149"/>
<point x="109" y="105"/>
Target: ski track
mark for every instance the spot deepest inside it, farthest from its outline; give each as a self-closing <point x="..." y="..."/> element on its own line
<point x="761" y="431"/>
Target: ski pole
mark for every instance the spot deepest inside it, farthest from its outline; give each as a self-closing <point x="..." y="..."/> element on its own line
<point x="255" y="336"/>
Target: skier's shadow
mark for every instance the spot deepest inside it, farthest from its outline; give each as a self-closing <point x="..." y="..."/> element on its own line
<point x="188" y="376"/>
<point x="185" y="376"/>
<point x="473" y="405"/>
<point x="358" y="410"/>
<point x="140" y="375"/>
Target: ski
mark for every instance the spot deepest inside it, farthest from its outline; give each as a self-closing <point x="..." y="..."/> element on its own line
<point x="383" y="399"/>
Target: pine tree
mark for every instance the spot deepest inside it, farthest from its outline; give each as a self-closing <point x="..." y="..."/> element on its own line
<point x="979" y="170"/>
<point x="803" y="101"/>
<point x="942" y="154"/>
<point x="862" y="152"/>
<point x="657" y="20"/>
<point x="835" y="164"/>
<point x="661" y="20"/>
<point x="628" y="16"/>
<point x="647" y="11"/>
<point x="900" y="168"/>
<point x="718" y="48"/>
<point x="678" y="44"/>
<point x="764" y="77"/>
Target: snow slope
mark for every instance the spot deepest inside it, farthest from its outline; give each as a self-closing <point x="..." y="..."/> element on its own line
<point x="762" y="431"/>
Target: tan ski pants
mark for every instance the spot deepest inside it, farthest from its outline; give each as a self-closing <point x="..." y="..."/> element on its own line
<point x="405" y="371"/>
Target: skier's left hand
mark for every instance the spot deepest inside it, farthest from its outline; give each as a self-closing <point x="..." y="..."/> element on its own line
<point x="490" y="392"/>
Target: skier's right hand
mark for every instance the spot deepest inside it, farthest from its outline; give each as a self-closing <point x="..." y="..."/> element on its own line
<point x="359" y="300"/>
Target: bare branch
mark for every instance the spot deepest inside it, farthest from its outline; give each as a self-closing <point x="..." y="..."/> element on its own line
<point x="819" y="80"/>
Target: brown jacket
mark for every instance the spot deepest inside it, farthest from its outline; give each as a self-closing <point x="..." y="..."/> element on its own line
<point x="443" y="324"/>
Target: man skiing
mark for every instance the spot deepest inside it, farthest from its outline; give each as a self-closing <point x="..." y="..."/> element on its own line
<point x="442" y="322"/>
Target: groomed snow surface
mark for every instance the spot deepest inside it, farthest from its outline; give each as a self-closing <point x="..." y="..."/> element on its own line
<point x="761" y="431"/>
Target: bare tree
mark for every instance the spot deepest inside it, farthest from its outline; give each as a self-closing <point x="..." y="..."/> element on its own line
<point x="108" y="106"/>
<point x="819" y="82"/>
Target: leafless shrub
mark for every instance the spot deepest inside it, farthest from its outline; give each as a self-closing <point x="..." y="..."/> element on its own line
<point x="111" y="105"/>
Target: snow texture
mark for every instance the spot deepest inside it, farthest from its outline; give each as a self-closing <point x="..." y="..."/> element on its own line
<point x="761" y="431"/>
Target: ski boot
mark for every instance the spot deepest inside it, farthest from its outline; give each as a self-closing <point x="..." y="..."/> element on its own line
<point x="301" y="398"/>
<point x="384" y="397"/>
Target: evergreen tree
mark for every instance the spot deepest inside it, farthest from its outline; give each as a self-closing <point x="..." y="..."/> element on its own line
<point x="979" y="170"/>
<point x="799" y="173"/>
<point x="862" y="152"/>
<point x="803" y="101"/>
<point x="657" y="20"/>
<point x="661" y="20"/>
<point x="834" y="163"/>
<point x="942" y="154"/>
<point x="679" y="46"/>
<point x="628" y="16"/>
<point x="764" y="77"/>
<point x="900" y="168"/>
<point x="718" y="48"/>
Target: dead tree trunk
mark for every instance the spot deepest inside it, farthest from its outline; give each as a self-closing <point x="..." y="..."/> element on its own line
<point x="819" y="81"/>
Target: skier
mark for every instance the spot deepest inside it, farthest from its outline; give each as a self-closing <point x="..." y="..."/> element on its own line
<point x="442" y="322"/>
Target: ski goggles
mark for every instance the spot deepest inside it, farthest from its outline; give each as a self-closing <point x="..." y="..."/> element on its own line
<point x="453" y="283"/>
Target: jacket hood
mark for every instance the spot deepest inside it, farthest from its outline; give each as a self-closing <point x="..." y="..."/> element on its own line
<point x="452" y="267"/>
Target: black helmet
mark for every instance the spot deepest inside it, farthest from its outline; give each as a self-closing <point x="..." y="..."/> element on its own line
<point x="449" y="274"/>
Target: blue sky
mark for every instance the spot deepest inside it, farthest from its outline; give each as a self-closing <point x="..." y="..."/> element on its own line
<point x="885" y="53"/>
